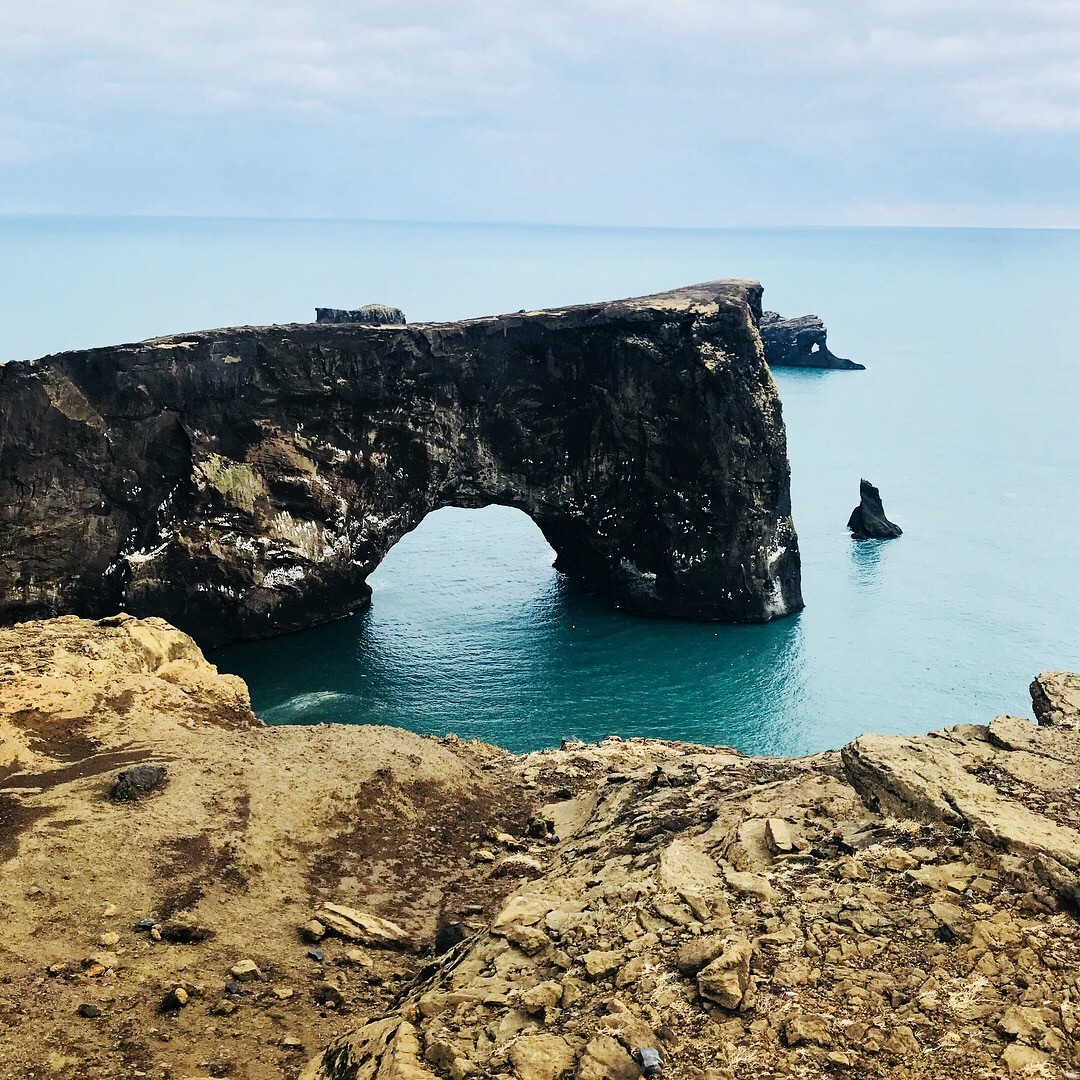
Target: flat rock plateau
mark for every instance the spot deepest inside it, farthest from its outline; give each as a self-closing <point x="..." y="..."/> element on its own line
<point x="188" y="893"/>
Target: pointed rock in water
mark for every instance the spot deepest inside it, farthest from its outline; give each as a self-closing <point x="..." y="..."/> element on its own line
<point x="868" y="520"/>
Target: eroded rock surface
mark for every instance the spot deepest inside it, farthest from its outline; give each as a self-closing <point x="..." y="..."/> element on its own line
<point x="800" y="342"/>
<point x="370" y="314"/>
<point x="904" y="908"/>
<point x="245" y="482"/>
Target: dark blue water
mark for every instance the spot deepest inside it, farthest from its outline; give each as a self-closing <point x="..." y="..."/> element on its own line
<point x="966" y="419"/>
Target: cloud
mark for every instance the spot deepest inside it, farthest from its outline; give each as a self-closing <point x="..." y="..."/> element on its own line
<point x="526" y="105"/>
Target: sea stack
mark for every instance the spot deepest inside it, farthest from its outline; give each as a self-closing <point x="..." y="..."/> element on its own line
<point x="799" y="342"/>
<point x="868" y="520"/>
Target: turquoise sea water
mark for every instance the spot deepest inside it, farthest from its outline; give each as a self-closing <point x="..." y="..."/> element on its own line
<point x="965" y="418"/>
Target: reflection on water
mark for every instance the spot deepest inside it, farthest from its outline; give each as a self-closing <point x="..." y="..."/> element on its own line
<point x="471" y="630"/>
<point x="866" y="562"/>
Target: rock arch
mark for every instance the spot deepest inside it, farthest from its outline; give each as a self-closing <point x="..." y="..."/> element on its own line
<point x="245" y="482"/>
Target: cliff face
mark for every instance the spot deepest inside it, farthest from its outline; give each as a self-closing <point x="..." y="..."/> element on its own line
<point x="800" y="342"/>
<point x="245" y="482"/>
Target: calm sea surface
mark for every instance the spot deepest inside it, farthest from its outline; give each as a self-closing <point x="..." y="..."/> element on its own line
<point x="966" y="418"/>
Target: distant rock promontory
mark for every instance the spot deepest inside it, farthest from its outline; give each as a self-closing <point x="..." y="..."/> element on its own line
<point x="368" y="315"/>
<point x="800" y="342"/>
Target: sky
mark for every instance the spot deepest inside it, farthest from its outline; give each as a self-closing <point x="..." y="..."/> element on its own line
<point x="615" y="112"/>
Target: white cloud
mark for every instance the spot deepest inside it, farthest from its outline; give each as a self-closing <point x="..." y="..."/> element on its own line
<point x="599" y="86"/>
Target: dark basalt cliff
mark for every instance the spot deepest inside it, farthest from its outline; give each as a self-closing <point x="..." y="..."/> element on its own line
<point x="800" y="342"/>
<point x="245" y="482"/>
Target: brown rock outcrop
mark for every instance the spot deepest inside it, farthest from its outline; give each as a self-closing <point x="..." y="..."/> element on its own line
<point x="879" y="913"/>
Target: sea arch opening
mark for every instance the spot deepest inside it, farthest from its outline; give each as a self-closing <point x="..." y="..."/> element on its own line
<point x="482" y="560"/>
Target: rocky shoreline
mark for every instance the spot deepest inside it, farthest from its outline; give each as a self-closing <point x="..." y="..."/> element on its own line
<point x="348" y="902"/>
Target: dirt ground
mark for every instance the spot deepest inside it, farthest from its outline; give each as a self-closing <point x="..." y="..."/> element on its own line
<point x="548" y="915"/>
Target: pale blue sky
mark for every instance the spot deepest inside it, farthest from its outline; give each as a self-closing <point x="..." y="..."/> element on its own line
<point x="682" y="112"/>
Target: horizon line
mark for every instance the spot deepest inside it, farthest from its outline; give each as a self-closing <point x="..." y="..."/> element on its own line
<point x="469" y="223"/>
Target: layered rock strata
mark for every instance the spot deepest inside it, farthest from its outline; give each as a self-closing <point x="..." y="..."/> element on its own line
<point x="347" y="902"/>
<point x="800" y="342"/>
<point x="245" y="482"/>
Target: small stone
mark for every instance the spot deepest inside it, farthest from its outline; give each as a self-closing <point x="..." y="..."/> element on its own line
<point x="88" y="1011"/>
<point x="313" y="931"/>
<point x="245" y="971"/>
<point x="778" y="835"/>
<point x="694" y="954"/>
<point x="801" y="1029"/>
<point x="363" y="927"/>
<point x="223" y="1008"/>
<point x="541" y="1057"/>
<point x="600" y="962"/>
<point x="326" y="993"/>
<point x="605" y="1059"/>
<point x="291" y="1042"/>
<point x="725" y="979"/>
<point x="902" y="1043"/>
<point x="357" y="957"/>
<point x="175" y="999"/>
<point x="283" y="993"/>
<point x="55" y="970"/>
<point x="137" y="782"/>
<point x="541" y="997"/>
<point x="108" y="911"/>
<point x="316" y="954"/>
<point x="109" y="940"/>
<point x="484" y="856"/>
<point x="1021" y="1060"/>
<point x="651" y="1061"/>
<point x="143" y="925"/>
<point x="232" y="987"/>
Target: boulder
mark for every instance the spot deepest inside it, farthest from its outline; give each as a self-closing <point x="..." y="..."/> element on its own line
<point x="725" y="979"/>
<point x="137" y="782"/>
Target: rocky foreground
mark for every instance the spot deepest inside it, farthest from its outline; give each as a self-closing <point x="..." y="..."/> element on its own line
<point x="188" y="894"/>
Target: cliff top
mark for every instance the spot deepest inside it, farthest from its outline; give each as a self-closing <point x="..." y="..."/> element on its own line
<point x="901" y="908"/>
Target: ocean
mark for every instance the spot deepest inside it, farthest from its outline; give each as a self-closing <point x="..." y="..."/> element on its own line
<point x="966" y="418"/>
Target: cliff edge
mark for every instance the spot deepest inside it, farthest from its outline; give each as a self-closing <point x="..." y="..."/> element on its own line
<point x="346" y="902"/>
